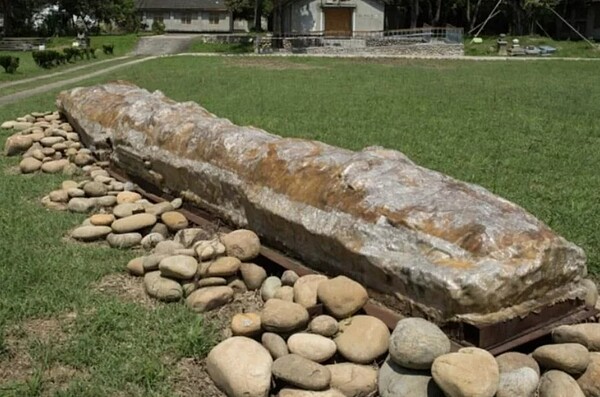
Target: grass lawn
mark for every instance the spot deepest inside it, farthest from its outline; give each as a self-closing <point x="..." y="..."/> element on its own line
<point x="528" y="131"/>
<point x="123" y="45"/>
<point x="565" y="48"/>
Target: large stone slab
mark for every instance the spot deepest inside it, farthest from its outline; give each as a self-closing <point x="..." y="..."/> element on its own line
<point x="443" y="247"/>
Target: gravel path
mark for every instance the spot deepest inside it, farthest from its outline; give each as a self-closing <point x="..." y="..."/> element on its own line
<point x="163" y="44"/>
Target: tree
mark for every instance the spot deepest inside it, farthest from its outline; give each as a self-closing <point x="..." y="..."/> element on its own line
<point x="18" y="15"/>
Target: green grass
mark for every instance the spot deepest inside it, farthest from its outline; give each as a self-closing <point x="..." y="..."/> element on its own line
<point x="123" y="45"/>
<point x="565" y="48"/>
<point x="229" y="48"/>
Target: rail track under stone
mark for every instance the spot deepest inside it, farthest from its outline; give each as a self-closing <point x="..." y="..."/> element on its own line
<point x="515" y="334"/>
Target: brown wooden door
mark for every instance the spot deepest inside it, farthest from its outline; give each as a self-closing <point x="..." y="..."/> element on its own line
<point x="338" y="21"/>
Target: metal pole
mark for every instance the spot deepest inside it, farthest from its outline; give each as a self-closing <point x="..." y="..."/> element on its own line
<point x="486" y="21"/>
<point x="572" y="28"/>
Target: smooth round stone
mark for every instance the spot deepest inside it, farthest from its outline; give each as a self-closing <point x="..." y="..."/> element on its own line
<point x="151" y="261"/>
<point x="589" y="382"/>
<point x="309" y="393"/>
<point x="186" y="252"/>
<point x="38" y="155"/>
<point x="558" y="384"/>
<point x="104" y="179"/>
<point x="469" y="372"/>
<point x="51" y="140"/>
<point x="60" y="146"/>
<point x="68" y="184"/>
<point x="245" y="324"/>
<point x="177" y="203"/>
<point x="75" y="192"/>
<point x="149" y="241"/>
<point x="240" y="367"/>
<point x="571" y="358"/>
<point x="587" y="334"/>
<point x="46" y="202"/>
<point x="416" y="342"/>
<point x="90" y="233"/>
<point x="187" y="237"/>
<point x="124" y="240"/>
<point x="314" y="347"/>
<point x="242" y="244"/>
<point x="55" y="166"/>
<point x="157" y="209"/>
<point x="135" y="267"/>
<point x="174" y="220"/>
<point x="591" y="296"/>
<point x="29" y="165"/>
<point x="118" y="187"/>
<point x="205" y="250"/>
<point x="95" y="189"/>
<point x="282" y="316"/>
<point x="127" y="209"/>
<point x="211" y="282"/>
<point x="342" y="296"/>
<point x="102" y="219"/>
<point x="285" y="293"/>
<point x="301" y="372"/>
<point x="275" y="344"/>
<point x="510" y="361"/>
<point x="162" y="288"/>
<point x="362" y="339"/>
<point x="81" y="205"/>
<point x="133" y="223"/>
<point x="188" y="287"/>
<point x="324" y="325"/>
<point x="253" y="275"/>
<point x="167" y="247"/>
<point x="179" y="267"/>
<point x="161" y="229"/>
<point x="209" y="298"/>
<point x="83" y="159"/>
<point x="48" y="151"/>
<point x="237" y="286"/>
<point x="396" y="381"/>
<point x="289" y="277"/>
<point x="353" y="380"/>
<point x="97" y="171"/>
<point x="17" y="144"/>
<point x="522" y="382"/>
<point x="128" y="197"/>
<point x="224" y="266"/>
<point x="59" y="196"/>
<point x="305" y="289"/>
<point x="106" y="201"/>
<point x="269" y="288"/>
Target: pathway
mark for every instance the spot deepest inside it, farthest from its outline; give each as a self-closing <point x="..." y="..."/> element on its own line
<point x="164" y="44"/>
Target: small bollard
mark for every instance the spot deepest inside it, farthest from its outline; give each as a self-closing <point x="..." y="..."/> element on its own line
<point x="501" y="45"/>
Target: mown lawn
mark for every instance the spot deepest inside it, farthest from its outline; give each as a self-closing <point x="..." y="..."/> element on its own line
<point x="526" y="131"/>
<point x="123" y="45"/>
<point x="564" y="48"/>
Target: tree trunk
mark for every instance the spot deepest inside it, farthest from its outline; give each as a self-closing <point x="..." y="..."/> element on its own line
<point x="414" y="13"/>
<point x="474" y="15"/>
<point x="438" y="13"/>
<point x="258" y="15"/>
<point x="5" y="8"/>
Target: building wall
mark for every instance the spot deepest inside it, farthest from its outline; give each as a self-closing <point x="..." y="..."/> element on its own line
<point x="306" y="16"/>
<point x="190" y="21"/>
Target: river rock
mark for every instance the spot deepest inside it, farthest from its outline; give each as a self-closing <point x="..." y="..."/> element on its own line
<point x="591" y="294"/>
<point x="127" y="209"/>
<point x="135" y="267"/>
<point x="305" y="289"/>
<point x="161" y="229"/>
<point x="102" y="219"/>
<point x="51" y="141"/>
<point x="282" y="316"/>
<point x="522" y="382"/>
<point x="558" y="384"/>
<point x="353" y="380"/>
<point x="95" y="189"/>
<point x="301" y="372"/>
<point x="211" y="282"/>
<point x="152" y="261"/>
<point x="361" y="339"/>
<point x="179" y="267"/>
<point x="253" y="275"/>
<point x="510" y="361"/>
<point x="286" y="392"/>
<point x="269" y="288"/>
<point x="589" y="382"/>
<point x="397" y="381"/>
<point x="471" y="372"/>
<point x="342" y="296"/>
<point x="151" y="239"/>
<point x="275" y="344"/>
<point x="285" y="293"/>
<point x="209" y="298"/>
<point x="75" y="192"/>
<point x="60" y="196"/>
<point x="586" y="334"/>
<point x="167" y="247"/>
<point x="224" y="266"/>
<point x="106" y="201"/>
<point x="55" y="166"/>
<point x="240" y="367"/>
<point x="29" y="165"/>
<point x="157" y="209"/>
<point x="124" y="240"/>
<point x="81" y="205"/>
<point x="237" y="286"/>
<point x="314" y="347"/>
<point x="416" y="342"/>
<point x="128" y="197"/>
<point x="83" y="159"/>
<point x="571" y="358"/>
<point x="90" y="233"/>
<point x="324" y="325"/>
<point x="17" y="144"/>
<point x="133" y="223"/>
<point x="246" y="324"/>
<point x="242" y="244"/>
<point x="162" y="288"/>
<point x="187" y="237"/>
<point x="174" y="220"/>
<point x="289" y="277"/>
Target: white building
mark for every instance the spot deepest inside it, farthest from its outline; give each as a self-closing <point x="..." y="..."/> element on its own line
<point x="187" y="15"/>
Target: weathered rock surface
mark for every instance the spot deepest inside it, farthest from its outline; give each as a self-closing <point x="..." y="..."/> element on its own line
<point x="589" y="382"/>
<point x="471" y="372"/>
<point x="283" y="316"/>
<point x="571" y="358"/>
<point x="245" y="324"/>
<point x="209" y="298"/>
<point x="316" y="348"/>
<point x="301" y="372"/>
<point x="396" y="381"/>
<point x="587" y="334"/>
<point x="275" y="344"/>
<point x="269" y="287"/>
<point x="558" y="384"/>
<point x="240" y="367"/>
<point x="342" y="296"/>
<point x="362" y="339"/>
<point x="305" y="289"/>
<point x="353" y="380"/>
<point x="522" y="382"/>
<point x="372" y="215"/>
<point x="162" y="288"/>
<point x="179" y="267"/>
<point x="510" y="361"/>
<point x="324" y="325"/>
<point x="416" y="342"/>
<point x="242" y="244"/>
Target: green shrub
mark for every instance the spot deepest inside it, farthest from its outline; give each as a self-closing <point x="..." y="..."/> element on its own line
<point x="158" y="27"/>
<point x="9" y="63"/>
<point x="108" y="49"/>
<point x="48" y="58"/>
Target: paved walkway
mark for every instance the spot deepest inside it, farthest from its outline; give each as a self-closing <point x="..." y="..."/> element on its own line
<point x="164" y="44"/>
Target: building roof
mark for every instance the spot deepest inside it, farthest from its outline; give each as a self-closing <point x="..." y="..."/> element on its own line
<point x="181" y="4"/>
